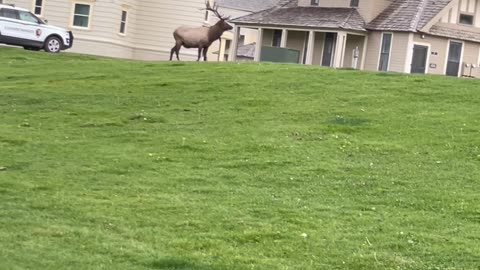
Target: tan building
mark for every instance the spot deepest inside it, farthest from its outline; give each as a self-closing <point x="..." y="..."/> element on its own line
<point x="410" y="36"/>
<point x="133" y="29"/>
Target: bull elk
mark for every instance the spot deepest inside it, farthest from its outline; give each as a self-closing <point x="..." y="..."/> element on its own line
<point x="201" y="37"/>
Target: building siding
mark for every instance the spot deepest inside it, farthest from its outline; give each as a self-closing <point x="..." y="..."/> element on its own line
<point x="398" y="51"/>
<point x="470" y="56"/>
<point x="373" y="50"/>
<point x="438" y="52"/>
<point x="398" y="54"/>
<point x="156" y="22"/>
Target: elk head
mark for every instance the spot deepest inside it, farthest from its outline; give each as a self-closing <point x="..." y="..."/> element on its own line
<point x="222" y="20"/>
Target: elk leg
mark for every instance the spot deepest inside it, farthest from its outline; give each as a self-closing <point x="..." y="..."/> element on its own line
<point x="199" y="53"/>
<point x="205" y="50"/>
<point x="177" y="50"/>
<point x="172" y="52"/>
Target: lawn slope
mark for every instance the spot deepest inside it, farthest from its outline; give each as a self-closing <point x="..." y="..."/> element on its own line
<point x="112" y="164"/>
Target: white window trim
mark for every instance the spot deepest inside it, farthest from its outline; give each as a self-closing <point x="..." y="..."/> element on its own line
<point x="304" y="49"/>
<point x="408" y="58"/>
<point x="389" y="52"/>
<point x="448" y="53"/>
<point x="42" y="8"/>
<point x="427" y="64"/>
<point x="126" y="22"/>
<point x="273" y="37"/>
<point x="478" y="60"/>
<point x="322" y="47"/>
<point x="72" y="15"/>
<point x="332" y="61"/>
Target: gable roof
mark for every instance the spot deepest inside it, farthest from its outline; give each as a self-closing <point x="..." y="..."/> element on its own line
<point x="407" y="15"/>
<point x="248" y="5"/>
<point x="344" y="18"/>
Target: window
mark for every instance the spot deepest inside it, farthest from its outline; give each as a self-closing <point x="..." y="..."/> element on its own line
<point x="27" y="17"/>
<point x="38" y="7"/>
<point x="277" y="38"/>
<point x="314" y="2"/>
<point x="123" y="22"/>
<point x="9" y="13"/>
<point x="354" y="3"/>
<point x="81" y="15"/>
<point x="466" y="19"/>
<point x="241" y="40"/>
<point x="228" y="43"/>
<point x="385" y="52"/>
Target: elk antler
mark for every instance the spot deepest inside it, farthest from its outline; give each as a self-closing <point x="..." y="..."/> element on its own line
<point x="214" y="9"/>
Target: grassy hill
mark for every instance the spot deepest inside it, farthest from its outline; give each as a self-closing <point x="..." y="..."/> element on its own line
<point x="111" y="164"/>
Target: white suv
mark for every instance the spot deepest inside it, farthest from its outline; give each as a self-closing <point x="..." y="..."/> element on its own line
<point x="20" y="27"/>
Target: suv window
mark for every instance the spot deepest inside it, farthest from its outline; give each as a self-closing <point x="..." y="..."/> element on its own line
<point x="27" y="17"/>
<point x="9" y="13"/>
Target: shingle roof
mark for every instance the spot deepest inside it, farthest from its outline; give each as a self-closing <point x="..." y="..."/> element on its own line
<point x="248" y="5"/>
<point x="454" y="33"/>
<point x="407" y="15"/>
<point x="343" y="18"/>
<point x="431" y="10"/>
<point x="414" y="15"/>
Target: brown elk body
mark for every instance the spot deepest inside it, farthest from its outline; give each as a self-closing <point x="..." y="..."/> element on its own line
<point x="201" y="37"/>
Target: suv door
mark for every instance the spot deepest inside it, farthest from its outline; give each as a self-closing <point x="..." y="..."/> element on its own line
<point x="30" y="26"/>
<point x="8" y="26"/>
<point x="19" y="24"/>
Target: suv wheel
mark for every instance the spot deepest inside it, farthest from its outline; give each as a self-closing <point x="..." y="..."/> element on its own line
<point x="53" y="45"/>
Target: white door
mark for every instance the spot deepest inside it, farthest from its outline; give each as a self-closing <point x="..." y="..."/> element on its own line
<point x="9" y="25"/>
<point x="30" y="27"/>
<point x="18" y="24"/>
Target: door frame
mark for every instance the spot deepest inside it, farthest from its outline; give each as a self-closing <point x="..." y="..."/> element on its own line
<point x="427" y="63"/>
<point x="448" y="53"/>
<point x="392" y="40"/>
<point x="334" y="42"/>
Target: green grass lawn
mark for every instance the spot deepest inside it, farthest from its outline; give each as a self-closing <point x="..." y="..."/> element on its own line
<point x="112" y="164"/>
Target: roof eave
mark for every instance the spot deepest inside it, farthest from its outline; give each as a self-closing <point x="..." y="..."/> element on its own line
<point x="271" y="25"/>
